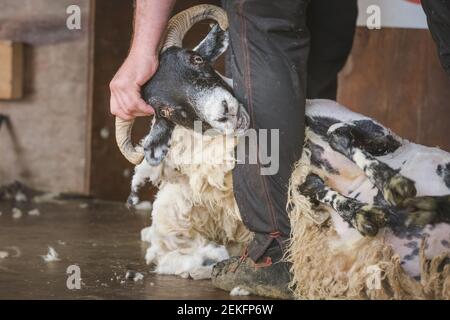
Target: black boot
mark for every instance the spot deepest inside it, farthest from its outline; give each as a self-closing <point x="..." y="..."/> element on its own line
<point x="268" y="277"/>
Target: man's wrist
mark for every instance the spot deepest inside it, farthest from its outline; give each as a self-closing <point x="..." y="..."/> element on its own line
<point x="144" y="55"/>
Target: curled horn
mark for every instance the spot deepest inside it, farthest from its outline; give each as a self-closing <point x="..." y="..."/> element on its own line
<point x="123" y="138"/>
<point x="180" y="24"/>
<point x="177" y="28"/>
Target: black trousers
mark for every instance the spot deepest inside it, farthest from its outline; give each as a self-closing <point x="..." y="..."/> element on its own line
<point x="281" y="52"/>
<point x="438" y="17"/>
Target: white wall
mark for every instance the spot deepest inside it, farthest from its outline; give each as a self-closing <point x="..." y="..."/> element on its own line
<point x="395" y="13"/>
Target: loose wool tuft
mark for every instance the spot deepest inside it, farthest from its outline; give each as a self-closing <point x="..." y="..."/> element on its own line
<point x="194" y="209"/>
<point x="215" y="213"/>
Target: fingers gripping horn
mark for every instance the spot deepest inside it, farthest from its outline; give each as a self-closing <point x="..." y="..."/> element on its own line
<point x="177" y="28"/>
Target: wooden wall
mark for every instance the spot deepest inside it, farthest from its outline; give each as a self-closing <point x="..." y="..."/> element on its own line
<point x="51" y="121"/>
<point x="109" y="174"/>
<point x="394" y="76"/>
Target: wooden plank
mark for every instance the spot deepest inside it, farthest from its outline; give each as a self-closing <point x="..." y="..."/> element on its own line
<point x="11" y="70"/>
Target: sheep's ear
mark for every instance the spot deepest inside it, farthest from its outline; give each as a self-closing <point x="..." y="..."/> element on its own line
<point x="157" y="143"/>
<point x="214" y="44"/>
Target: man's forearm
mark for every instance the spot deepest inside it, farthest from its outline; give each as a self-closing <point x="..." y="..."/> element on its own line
<point x="150" y="21"/>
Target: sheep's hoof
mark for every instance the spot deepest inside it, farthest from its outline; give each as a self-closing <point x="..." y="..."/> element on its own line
<point x="426" y="210"/>
<point x="368" y="219"/>
<point x="398" y="189"/>
<point x="133" y="199"/>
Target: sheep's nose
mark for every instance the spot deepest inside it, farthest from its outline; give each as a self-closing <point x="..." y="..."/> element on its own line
<point x="225" y="107"/>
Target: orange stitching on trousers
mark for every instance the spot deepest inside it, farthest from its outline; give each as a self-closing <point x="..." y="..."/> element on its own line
<point x="267" y="262"/>
<point x="247" y="80"/>
<point x="241" y="259"/>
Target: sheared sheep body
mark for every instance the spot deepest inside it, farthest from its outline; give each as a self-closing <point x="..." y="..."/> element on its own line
<point x="332" y="260"/>
<point x="195" y="215"/>
<point x="416" y="162"/>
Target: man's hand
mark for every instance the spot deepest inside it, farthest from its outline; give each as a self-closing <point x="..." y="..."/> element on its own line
<point x="151" y="18"/>
<point x="126" y="101"/>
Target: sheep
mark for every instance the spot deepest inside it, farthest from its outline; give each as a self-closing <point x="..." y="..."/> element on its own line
<point x="365" y="205"/>
<point x="194" y="209"/>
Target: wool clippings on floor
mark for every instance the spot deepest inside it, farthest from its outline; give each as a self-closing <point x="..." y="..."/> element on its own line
<point x="238" y="291"/>
<point x="51" y="256"/>
<point x="34" y="212"/>
<point x="20" y="197"/>
<point x="16" y="213"/>
<point x="133" y="275"/>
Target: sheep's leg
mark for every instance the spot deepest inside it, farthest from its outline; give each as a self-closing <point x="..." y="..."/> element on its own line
<point x="361" y="145"/>
<point x="366" y="218"/>
<point x="142" y="174"/>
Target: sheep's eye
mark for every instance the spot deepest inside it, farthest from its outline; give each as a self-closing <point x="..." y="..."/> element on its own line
<point x="166" y="112"/>
<point x="196" y="59"/>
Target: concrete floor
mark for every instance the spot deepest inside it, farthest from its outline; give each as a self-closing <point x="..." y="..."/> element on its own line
<point x="102" y="239"/>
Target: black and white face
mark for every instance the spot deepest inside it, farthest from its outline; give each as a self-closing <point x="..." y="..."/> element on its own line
<point x="214" y="102"/>
<point x="186" y="88"/>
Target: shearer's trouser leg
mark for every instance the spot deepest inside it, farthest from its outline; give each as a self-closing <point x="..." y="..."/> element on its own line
<point x="438" y="16"/>
<point x="268" y="55"/>
<point x="332" y="25"/>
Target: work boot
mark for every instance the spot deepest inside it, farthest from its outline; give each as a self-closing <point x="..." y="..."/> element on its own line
<point x="268" y="277"/>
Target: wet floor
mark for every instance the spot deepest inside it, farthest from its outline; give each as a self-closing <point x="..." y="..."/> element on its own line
<point x="101" y="238"/>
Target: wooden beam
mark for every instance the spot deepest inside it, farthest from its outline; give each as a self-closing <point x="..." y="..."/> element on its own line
<point x="11" y="70"/>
